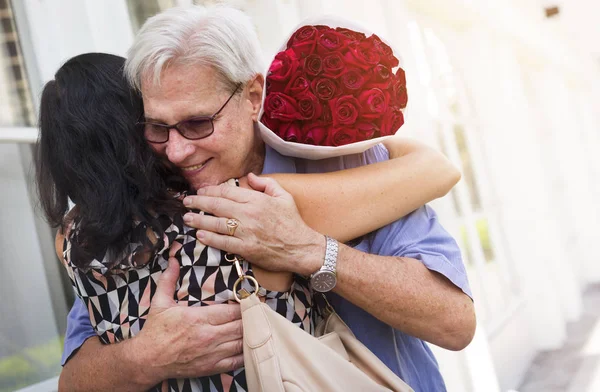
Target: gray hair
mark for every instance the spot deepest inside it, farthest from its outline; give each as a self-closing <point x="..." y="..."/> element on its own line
<point x="218" y="36"/>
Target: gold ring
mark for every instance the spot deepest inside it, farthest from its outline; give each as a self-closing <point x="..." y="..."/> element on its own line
<point x="232" y="225"/>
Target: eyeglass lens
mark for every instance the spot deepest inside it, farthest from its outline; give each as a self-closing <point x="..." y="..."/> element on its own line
<point x="190" y="129"/>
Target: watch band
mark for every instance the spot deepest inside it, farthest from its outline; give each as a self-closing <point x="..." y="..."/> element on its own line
<point x="325" y="278"/>
<point x="331" y="252"/>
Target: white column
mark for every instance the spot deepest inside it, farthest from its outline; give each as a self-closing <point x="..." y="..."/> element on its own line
<point x="473" y="368"/>
<point x="511" y="147"/>
<point x="109" y="25"/>
<point x="565" y="134"/>
<point x="274" y="22"/>
<point x="61" y="29"/>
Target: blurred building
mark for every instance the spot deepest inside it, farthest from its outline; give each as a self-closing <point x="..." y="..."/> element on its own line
<point x="508" y="89"/>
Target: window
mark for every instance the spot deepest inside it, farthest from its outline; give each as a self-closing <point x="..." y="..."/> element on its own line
<point x="30" y="337"/>
<point x="475" y="219"/>
<point x="15" y="100"/>
<point x="140" y="10"/>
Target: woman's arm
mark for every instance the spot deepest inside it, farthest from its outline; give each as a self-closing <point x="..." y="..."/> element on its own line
<point x="376" y="194"/>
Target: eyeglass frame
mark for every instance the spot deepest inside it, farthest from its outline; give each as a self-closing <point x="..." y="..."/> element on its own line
<point x="176" y="125"/>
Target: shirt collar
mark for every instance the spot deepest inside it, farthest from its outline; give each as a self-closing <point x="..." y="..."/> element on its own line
<point x="277" y="163"/>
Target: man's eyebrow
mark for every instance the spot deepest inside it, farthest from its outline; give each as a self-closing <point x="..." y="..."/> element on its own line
<point x="188" y="117"/>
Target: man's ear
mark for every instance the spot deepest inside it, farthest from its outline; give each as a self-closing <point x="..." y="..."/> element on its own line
<point x="255" y="91"/>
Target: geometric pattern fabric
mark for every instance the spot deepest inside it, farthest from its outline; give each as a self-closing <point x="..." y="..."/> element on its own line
<point x="118" y="299"/>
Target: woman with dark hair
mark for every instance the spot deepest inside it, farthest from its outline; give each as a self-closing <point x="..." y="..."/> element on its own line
<point x="127" y="220"/>
<point x="91" y="153"/>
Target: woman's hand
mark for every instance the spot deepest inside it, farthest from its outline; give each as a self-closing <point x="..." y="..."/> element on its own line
<point x="271" y="233"/>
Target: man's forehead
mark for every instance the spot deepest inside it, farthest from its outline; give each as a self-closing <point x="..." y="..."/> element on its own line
<point x="181" y="79"/>
<point x="180" y="92"/>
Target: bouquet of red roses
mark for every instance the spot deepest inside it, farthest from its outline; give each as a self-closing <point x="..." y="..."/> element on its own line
<point x="333" y="86"/>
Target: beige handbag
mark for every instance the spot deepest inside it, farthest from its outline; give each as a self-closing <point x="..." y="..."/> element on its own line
<point x="279" y="356"/>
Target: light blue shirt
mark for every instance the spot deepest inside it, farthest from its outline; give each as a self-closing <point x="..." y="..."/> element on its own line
<point x="418" y="235"/>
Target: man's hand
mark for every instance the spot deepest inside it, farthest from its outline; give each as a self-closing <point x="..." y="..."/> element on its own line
<point x="176" y="342"/>
<point x="271" y="233"/>
<point x="187" y="342"/>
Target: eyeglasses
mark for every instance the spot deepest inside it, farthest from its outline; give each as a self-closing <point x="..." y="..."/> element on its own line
<point x="192" y="129"/>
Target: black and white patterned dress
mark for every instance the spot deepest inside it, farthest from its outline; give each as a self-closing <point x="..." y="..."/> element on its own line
<point x="118" y="299"/>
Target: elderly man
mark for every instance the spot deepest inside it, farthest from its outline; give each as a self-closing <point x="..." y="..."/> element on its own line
<point x="400" y="286"/>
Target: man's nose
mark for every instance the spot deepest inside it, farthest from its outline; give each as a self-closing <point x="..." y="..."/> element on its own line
<point x="178" y="148"/>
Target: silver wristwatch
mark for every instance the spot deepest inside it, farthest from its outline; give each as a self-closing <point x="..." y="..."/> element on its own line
<point x="324" y="280"/>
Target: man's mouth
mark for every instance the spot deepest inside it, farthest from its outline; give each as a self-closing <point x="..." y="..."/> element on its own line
<point x="189" y="169"/>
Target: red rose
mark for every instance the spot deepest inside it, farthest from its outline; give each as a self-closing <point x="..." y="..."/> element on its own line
<point x="401" y="76"/>
<point x="281" y="107"/>
<point x="333" y="65"/>
<point x="313" y="65"/>
<point x="401" y="97"/>
<point x="385" y="52"/>
<point x="362" y="55"/>
<point x="326" y="116"/>
<point x="322" y="28"/>
<point x="291" y="132"/>
<point x="374" y="103"/>
<point x="303" y="41"/>
<point x="309" y="106"/>
<point x="271" y="123"/>
<point x="298" y="84"/>
<point x="344" y="110"/>
<point x="353" y="35"/>
<point x="353" y="79"/>
<point x="400" y="93"/>
<point x="366" y="130"/>
<point x="315" y="133"/>
<point x="339" y="136"/>
<point x="392" y="121"/>
<point x="331" y="41"/>
<point x="282" y="66"/>
<point x="381" y="77"/>
<point x="268" y="85"/>
<point x="324" y="88"/>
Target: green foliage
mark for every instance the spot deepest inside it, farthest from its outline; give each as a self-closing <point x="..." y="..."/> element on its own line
<point x="483" y="232"/>
<point x="484" y="239"/>
<point x="31" y="365"/>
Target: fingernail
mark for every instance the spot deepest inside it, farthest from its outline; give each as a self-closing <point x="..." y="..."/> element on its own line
<point x="200" y="191"/>
<point x="187" y="218"/>
<point x="187" y="201"/>
<point x="200" y="234"/>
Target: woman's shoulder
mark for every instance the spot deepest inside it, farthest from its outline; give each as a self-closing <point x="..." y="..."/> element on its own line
<point x="59" y="244"/>
<point x="63" y="231"/>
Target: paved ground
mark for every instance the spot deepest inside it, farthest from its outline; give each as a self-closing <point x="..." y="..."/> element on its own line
<point x="576" y="366"/>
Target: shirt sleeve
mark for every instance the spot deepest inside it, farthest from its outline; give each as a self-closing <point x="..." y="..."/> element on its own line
<point x="79" y="329"/>
<point x="420" y="236"/>
<point x="375" y="154"/>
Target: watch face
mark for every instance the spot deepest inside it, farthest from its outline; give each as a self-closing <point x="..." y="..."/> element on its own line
<point x="323" y="281"/>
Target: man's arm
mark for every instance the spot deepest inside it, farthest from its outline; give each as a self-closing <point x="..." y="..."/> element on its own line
<point x="176" y="342"/>
<point x="406" y="295"/>
<point x="401" y="291"/>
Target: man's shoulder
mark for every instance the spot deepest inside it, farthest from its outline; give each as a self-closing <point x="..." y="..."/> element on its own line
<point x="277" y="163"/>
<point x="417" y="226"/>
